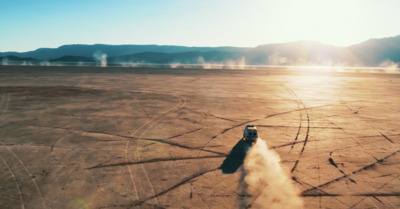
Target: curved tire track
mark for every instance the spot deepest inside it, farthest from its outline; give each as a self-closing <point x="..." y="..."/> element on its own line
<point x="2" y="158"/>
<point x="251" y="121"/>
<point x="16" y="181"/>
<point x="300" y="119"/>
<point x="181" y="103"/>
<point x="52" y="153"/>
<point x="32" y="178"/>
<point x="298" y="100"/>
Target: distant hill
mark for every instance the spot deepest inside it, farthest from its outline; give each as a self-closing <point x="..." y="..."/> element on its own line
<point x="191" y="57"/>
<point x="111" y="50"/>
<point x="10" y="59"/>
<point x="73" y="59"/>
<point x="16" y="59"/>
<point x="374" y="52"/>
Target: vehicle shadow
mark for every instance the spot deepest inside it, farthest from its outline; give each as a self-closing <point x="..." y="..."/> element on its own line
<point x="235" y="158"/>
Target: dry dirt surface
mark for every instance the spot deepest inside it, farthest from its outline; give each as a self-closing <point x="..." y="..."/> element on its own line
<point x="112" y="138"/>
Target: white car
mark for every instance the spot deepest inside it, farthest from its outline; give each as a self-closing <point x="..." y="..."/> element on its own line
<point x="250" y="134"/>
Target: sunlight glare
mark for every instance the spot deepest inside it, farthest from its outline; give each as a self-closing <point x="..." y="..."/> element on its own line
<point x="330" y="22"/>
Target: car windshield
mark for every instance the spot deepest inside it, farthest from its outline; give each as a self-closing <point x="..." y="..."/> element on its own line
<point x="253" y="133"/>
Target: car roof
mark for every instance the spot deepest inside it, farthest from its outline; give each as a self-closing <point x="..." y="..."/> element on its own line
<point x="251" y="127"/>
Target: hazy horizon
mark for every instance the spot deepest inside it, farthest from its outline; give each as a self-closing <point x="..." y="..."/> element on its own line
<point x="27" y="25"/>
<point x="54" y="47"/>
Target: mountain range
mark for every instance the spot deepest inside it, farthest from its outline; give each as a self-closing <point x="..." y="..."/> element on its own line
<point x="383" y="52"/>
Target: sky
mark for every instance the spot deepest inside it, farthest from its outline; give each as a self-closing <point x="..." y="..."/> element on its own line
<point x="30" y="24"/>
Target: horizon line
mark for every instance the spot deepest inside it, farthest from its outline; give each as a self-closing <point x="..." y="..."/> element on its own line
<point x="194" y="46"/>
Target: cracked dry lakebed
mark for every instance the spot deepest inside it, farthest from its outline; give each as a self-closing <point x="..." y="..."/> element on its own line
<point x="113" y="138"/>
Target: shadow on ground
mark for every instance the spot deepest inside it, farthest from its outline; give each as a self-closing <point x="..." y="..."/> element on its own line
<point x="235" y="158"/>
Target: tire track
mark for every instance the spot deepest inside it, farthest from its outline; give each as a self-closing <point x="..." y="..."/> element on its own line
<point x="89" y="133"/>
<point x="82" y="81"/>
<point x="287" y="144"/>
<point x="393" y="194"/>
<point x="6" y="105"/>
<point x="183" y="182"/>
<point x="16" y="181"/>
<point x="153" y="160"/>
<point x="332" y="162"/>
<point x="180" y="105"/>
<point x="148" y="124"/>
<point x="29" y="173"/>
<point x="378" y="161"/>
<point x="319" y="170"/>
<point x="284" y="126"/>
<point x="375" y="194"/>
<point x="222" y="118"/>
<point x="251" y="121"/>
<point x="300" y="119"/>
<point x="320" y="191"/>
<point x="175" y="186"/>
<point x="189" y="132"/>
<point x="53" y="145"/>
<point x="2" y="99"/>
<point x="192" y="187"/>
<point x="308" y="128"/>
<point x="387" y="138"/>
<point x="185" y="146"/>
<point x="122" y="137"/>
<point x="224" y="131"/>
<point x="5" y="145"/>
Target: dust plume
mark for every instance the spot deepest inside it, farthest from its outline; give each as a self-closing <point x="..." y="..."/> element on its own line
<point x="25" y="63"/>
<point x="228" y="64"/>
<point x="45" y="63"/>
<point x="175" y="65"/>
<point x="202" y="64"/>
<point x="389" y="66"/>
<point x="130" y="64"/>
<point x="100" y="58"/>
<point x="4" y="61"/>
<point x="264" y="179"/>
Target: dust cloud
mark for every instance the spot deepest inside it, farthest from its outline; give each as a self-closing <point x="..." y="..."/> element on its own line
<point x="4" y="61"/>
<point x="390" y="67"/>
<point x="100" y="58"/>
<point x="266" y="181"/>
<point x="202" y="64"/>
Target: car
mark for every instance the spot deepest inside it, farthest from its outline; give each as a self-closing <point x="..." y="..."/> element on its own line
<point x="250" y="134"/>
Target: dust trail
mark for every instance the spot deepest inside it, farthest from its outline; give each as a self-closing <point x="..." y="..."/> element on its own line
<point x="266" y="181"/>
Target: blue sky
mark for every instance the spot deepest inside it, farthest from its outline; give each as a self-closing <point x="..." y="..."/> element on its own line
<point x="31" y="24"/>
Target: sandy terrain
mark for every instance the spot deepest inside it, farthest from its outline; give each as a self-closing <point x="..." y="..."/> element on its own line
<point x="99" y="138"/>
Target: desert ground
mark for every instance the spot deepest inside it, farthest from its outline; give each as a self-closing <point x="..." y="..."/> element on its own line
<point x="113" y="138"/>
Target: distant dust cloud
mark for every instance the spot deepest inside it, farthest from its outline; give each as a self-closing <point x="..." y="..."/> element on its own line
<point x="4" y="61"/>
<point x="267" y="182"/>
<point x="202" y="64"/>
<point x="390" y="66"/>
<point x="101" y="58"/>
